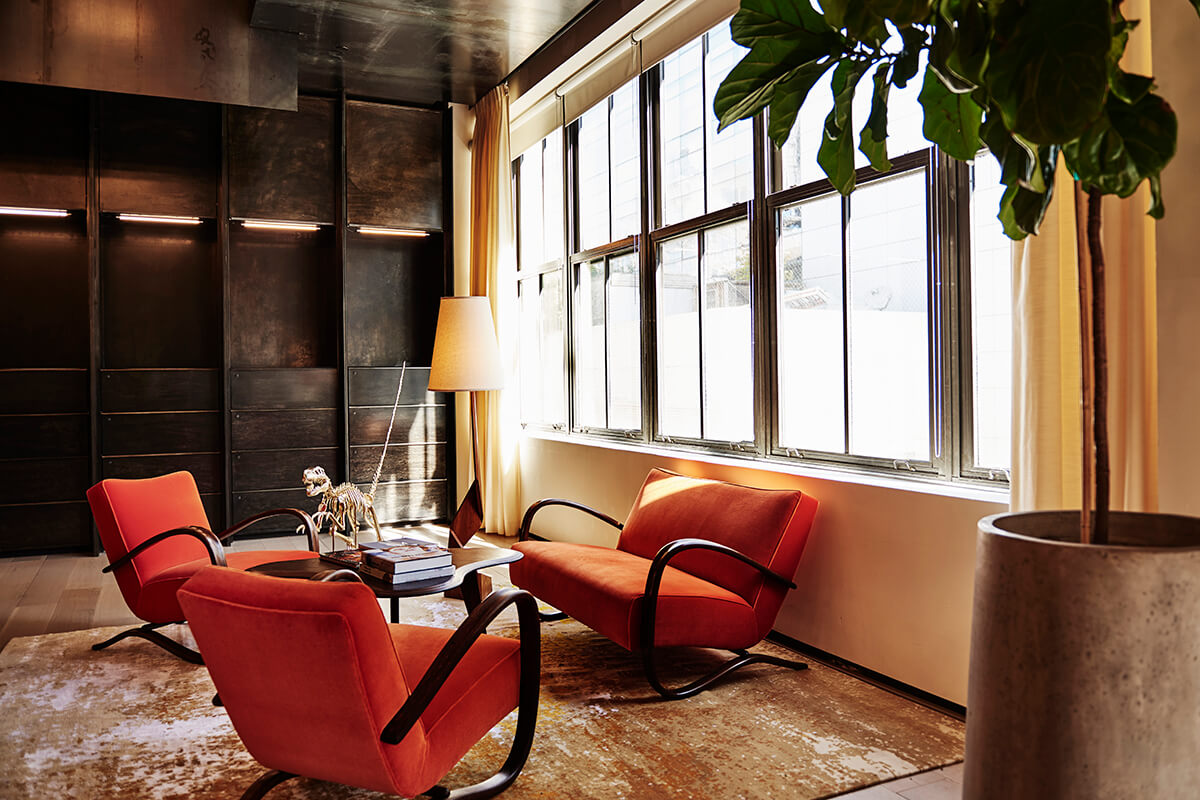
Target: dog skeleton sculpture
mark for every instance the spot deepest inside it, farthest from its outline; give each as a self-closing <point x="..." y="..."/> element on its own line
<point x="342" y="505"/>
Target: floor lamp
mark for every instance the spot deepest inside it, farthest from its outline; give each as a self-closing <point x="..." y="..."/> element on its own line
<point x="466" y="358"/>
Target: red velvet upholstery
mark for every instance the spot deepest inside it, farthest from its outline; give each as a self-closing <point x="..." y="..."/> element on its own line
<point x="128" y="512"/>
<point x="706" y="598"/>
<point x="311" y="674"/>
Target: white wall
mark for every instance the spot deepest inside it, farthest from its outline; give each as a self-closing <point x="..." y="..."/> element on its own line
<point x="1175" y="34"/>
<point x="885" y="581"/>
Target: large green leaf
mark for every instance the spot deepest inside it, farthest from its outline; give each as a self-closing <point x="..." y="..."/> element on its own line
<point x="750" y="85"/>
<point x="901" y="12"/>
<point x="1022" y="209"/>
<point x="859" y="19"/>
<point x="951" y="120"/>
<point x="1125" y="145"/>
<point x="789" y="95"/>
<point x="968" y="57"/>
<point x="944" y="42"/>
<point x="909" y="60"/>
<point x="872" y="142"/>
<point x="1047" y="66"/>
<point x="836" y="153"/>
<point x="791" y="19"/>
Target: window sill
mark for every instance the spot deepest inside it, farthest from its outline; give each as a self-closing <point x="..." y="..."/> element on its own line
<point x="962" y="490"/>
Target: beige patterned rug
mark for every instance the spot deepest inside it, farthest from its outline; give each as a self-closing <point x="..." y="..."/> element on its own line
<point x="134" y="722"/>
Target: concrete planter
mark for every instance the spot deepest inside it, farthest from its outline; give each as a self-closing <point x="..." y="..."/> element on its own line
<point x="1085" y="660"/>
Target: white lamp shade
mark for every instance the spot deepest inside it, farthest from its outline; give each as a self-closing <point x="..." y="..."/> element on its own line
<point x="466" y="357"/>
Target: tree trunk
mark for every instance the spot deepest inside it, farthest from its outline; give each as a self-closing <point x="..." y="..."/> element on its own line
<point x="1099" y="356"/>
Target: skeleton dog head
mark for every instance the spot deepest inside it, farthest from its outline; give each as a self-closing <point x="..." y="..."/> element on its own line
<point x="316" y="482"/>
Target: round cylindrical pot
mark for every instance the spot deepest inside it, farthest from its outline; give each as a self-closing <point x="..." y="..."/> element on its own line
<point x="1085" y="660"/>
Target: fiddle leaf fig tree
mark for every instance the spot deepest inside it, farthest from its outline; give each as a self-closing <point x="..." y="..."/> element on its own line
<point x="1030" y="81"/>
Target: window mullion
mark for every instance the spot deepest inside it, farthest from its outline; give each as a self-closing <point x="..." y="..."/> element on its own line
<point x="846" y="212"/>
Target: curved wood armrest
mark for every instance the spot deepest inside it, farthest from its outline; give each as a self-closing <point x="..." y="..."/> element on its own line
<point x="659" y="565"/>
<point x="310" y="527"/>
<point x="337" y="575"/>
<point x="216" y="553"/>
<point x="527" y="520"/>
<point x="672" y="549"/>
<point x="453" y="651"/>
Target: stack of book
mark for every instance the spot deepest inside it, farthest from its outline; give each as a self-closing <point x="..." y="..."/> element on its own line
<point x="405" y="561"/>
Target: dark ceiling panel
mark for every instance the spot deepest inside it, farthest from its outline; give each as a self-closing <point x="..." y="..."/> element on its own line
<point x="414" y="52"/>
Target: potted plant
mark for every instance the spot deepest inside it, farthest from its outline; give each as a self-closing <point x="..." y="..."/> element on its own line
<point x="1085" y="664"/>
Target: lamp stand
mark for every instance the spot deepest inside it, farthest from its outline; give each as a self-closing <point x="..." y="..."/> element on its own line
<point x="469" y="516"/>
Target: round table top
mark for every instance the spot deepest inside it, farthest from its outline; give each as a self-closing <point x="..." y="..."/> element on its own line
<point x="466" y="560"/>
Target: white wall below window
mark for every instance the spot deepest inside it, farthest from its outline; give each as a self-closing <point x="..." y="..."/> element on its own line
<point x="885" y="581"/>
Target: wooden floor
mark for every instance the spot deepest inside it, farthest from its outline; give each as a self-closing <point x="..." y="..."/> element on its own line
<point x="51" y="594"/>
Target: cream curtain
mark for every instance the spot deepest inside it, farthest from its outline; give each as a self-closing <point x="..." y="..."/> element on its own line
<point x="493" y="274"/>
<point x="1047" y="426"/>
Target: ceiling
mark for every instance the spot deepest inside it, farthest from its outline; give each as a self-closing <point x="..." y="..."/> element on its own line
<point x="420" y="52"/>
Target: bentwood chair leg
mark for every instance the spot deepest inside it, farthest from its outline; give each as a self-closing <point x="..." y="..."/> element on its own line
<point x="266" y="783"/>
<point x="700" y="684"/>
<point x="149" y="633"/>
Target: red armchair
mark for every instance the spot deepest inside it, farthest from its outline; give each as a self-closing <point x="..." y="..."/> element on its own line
<point x="156" y="535"/>
<point x="698" y="563"/>
<point x="316" y="683"/>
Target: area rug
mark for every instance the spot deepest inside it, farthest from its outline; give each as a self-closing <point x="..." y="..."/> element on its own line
<point x="134" y="722"/>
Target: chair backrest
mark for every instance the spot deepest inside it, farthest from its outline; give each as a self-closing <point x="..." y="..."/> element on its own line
<point x="770" y="526"/>
<point x="307" y="672"/>
<point x="128" y="512"/>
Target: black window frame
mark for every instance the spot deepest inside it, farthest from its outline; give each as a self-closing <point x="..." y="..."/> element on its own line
<point x="948" y="192"/>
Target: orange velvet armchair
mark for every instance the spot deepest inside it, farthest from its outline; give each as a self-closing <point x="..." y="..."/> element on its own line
<point x="698" y="563"/>
<point x="317" y="684"/>
<point x="156" y="535"/>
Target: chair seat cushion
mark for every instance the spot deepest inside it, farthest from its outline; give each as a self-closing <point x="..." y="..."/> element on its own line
<point x="157" y="602"/>
<point x="605" y="590"/>
<point x="481" y="691"/>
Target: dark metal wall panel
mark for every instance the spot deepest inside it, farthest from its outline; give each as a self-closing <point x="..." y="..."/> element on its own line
<point x="160" y="295"/>
<point x="45" y="391"/>
<point x="281" y="163"/>
<point x="44" y="147"/>
<point x="404" y="462"/>
<point x="206" y="468"/>
<point x="413" y="424"/>
<point x="376" y="386"/>
<point x="45" y="268"/>
<point x="393" y="287"/>
<point x="43" y="480"/>
<point x="159" y="156"/>
<point x="283" y="299"/>
<point x="276" y="469"/>
<point x="159" y="390"/>
<point x="405" y="502"/>
<point x="44" y="435"/>
<point x="160" y="432"/>
<point x="284" y="388"/>
<point x="273" y="430"/>
<point x="246" y="504"/>
<point x="190" y="49"/>
<point x="394" y="166"/>
<point x="43" y="528"/>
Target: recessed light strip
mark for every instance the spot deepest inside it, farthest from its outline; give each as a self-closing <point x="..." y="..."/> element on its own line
<point x="272" y="225"/>
<point x="161" y="219"/>
<point x="17" y="211"/>
<point x="375" y="230"/>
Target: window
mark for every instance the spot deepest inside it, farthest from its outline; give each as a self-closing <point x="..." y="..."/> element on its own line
<point x="702" y="170"/>
<point x="608" y="343"/>
<point x="538" y="183"/>
<point x="606" y="277"/>
<point x="991" y="322"/>
<point x="866" y="332"/>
